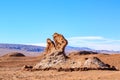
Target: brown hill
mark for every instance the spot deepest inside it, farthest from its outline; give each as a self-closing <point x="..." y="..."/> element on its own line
<point x="14" y="54"/>
<point x="81" y="53"/>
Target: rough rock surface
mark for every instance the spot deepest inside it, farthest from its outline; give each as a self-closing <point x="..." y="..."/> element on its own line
<point x="54" y="52"/>
<point x="60" y="42"/>
<point x="50" y="46"/>
<point x="51" y="60"/>
<point x="95" y="62"/>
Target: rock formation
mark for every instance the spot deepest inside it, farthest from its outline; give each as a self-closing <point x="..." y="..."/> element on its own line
<point x="54" y="52"/>
<point x="95" y="62"/>
<point x="55" y="58"/>
<point x="50" y="46"/>
<point x="60" y="42"/>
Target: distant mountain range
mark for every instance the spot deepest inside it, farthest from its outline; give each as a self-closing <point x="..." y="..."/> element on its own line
<point x="28" y="50"/>
<point x="70" y="48"/>
<point x="31" y="50"/>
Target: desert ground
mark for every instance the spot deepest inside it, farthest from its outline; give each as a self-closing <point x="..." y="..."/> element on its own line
<point x="11" y="69"/>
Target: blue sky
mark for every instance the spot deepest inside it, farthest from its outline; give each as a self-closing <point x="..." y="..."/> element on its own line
<point x="85" y="23"/>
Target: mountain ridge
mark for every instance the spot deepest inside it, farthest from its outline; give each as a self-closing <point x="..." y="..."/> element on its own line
<point x="29" y="49"/>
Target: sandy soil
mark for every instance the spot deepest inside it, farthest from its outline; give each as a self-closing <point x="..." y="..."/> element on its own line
<point x="10" y="69"/>
<point x="54" y="75"/>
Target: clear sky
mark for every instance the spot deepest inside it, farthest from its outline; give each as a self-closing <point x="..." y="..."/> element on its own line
<point x="85" y="23"/>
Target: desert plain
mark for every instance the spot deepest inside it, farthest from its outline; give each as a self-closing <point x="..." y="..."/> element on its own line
<point x="11" y="69"/>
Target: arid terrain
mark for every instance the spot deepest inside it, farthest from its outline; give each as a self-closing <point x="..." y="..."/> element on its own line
<point x="54" y="64"/>
<point x="10" y="69"/>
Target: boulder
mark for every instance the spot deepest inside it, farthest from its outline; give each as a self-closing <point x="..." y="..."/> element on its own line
<point x="96" y="64"/>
